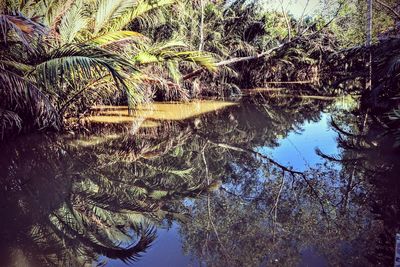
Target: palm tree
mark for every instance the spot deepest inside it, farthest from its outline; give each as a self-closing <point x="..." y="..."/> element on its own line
<point x="74" y="55"/>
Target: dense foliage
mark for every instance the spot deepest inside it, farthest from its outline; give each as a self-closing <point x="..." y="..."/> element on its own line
<point x="60" y="58"/>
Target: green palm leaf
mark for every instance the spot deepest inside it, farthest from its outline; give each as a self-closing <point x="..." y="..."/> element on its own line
<point x="145" y="58"/>
<point x="116" y="36"/>
<point x="199" y="58"/>
<point x="108" y="10"/>
<point x="81" y="62"/>
<point x="72" y="23"/>
<point x="169" y="51"/>
<point x="168" y="45"/>
<point x="139" y="9"/>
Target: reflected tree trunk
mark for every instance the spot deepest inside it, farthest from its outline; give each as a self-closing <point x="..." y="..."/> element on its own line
<point x="3" y="6"/>
<point x="368" y="43"/>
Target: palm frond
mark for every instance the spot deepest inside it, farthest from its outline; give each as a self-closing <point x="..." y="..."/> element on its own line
<point x="107" y="10"/>
<point x="169" y="51"/>
<point x="199" y="58"/>
<point x="23" y="29"/>
<point x="132" y="253"/>
<point x="111" y="37"/>
<point x="16" y="65"/>
<point x="151" y="19"/>
<point x="167" y="45"/>
<point x="145" y="58"/>
<point x="81" y="62"/>
<point x="173" y="69"/>
<point x="72" y="23"/>
<point x="140" y="8"/>
<point x="28" y="7"/>
<point x="22" y="94"/>
<point x="8" y="120"/>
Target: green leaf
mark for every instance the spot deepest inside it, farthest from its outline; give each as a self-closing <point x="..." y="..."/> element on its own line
<point x="116" y="36"/>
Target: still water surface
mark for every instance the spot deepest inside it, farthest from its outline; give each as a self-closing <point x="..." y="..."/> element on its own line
<point x="272" y="182"/>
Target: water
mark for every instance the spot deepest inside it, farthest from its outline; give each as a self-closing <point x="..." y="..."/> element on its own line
<point x="277" y="181"/>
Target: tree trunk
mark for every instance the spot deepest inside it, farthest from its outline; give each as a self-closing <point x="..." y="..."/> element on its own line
<point x="289" y="27"/>
<point x="369" y="22"/>
<point x="201" y="26"/>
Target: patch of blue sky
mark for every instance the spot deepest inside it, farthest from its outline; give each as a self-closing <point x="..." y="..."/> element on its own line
<point x="298" y="148"/>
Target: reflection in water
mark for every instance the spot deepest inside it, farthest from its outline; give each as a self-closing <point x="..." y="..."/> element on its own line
<point x="67" y="204"/>
<point x="163" y="111"/>
<point x="76" y="200"/>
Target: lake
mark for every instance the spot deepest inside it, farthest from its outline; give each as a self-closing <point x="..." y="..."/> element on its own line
<point x="256" y="181"/>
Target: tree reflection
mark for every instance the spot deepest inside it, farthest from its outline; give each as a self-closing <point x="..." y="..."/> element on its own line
<point x="341" y="212"/>
<point x="370" y="164"/>
<point x="66" y="201"/>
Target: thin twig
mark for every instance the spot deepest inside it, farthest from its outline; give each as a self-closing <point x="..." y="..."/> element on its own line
<point x="224" y="250"/>
<point x="275" y="207"/>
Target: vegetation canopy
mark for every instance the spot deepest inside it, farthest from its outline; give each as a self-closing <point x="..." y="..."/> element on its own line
<point x="60" y="58"/>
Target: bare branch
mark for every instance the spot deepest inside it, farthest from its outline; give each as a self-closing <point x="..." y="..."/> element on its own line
<point x="392" y="10"/>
